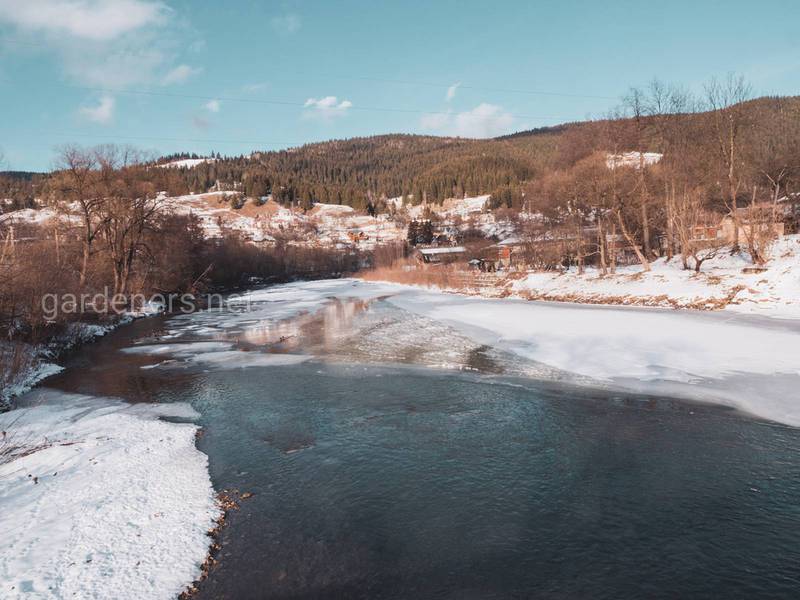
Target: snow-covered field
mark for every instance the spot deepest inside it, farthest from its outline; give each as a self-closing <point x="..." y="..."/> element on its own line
<point x="324" y="225"/>
<point x="104" y="500"/>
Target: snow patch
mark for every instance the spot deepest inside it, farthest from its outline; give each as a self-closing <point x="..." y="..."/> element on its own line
<point x="103" y="500"/>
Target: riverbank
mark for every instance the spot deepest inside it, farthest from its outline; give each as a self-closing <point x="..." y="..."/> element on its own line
<point x="101" y="498"/>
<point x="23" y="365"/>
<point x="725" y="282"/>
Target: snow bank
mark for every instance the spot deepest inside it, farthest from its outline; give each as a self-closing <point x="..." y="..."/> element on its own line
<point x="109" y="502"/>
<point x="35" y="359"/>
<point x="723" y="282"/>
<point x="34" y="370"/>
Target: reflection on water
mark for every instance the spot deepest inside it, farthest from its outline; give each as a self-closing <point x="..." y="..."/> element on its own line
<point x="321" y="329"/>
<point x="374" y="478"/>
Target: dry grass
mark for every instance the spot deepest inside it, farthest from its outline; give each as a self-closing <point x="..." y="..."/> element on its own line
<point x="410" y="272"/>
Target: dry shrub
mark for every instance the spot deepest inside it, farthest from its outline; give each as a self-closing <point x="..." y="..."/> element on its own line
<point x="15" y="360"/>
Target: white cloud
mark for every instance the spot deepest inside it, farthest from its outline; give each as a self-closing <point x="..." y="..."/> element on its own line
<point x="250" y="88"/>
<point x="179" y="74"/>
<point x="436" y="121"/>
<point x="327" y="107"/>
<point x="101" y="113"/>
<point x="483" y="121"/>
<point x="104" y="43"/>
<point x="212" y="106"/>
<point x="286" y="24"/>
<point x="98" y="20"/>
<point x="451" y="92"/>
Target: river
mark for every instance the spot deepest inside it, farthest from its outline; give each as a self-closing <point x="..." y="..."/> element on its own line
<point x="393" y="455"/>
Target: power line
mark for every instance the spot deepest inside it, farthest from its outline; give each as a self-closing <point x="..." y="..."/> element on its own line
<point x="292" y="103"/>
<point x="169" y="139"/>
<point x="463" y="86"/>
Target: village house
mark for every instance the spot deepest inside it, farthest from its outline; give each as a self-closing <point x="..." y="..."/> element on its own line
<point x="493" y="258"/>
<point x="440" y="254"/>
<point x="761" y="218"/>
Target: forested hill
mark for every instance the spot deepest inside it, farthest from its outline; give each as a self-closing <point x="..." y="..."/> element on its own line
<point x="355" y="170"/>
<point x="358" y="170"/>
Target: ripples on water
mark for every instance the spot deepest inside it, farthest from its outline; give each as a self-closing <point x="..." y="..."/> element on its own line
<point x="403" y="460"/>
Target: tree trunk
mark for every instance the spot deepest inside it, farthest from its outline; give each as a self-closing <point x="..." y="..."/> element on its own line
<point x="601" y="245"/>
<point x="84" y="263"/>
<point x="612" y="254"/>
<point x="645" y="226"/>
<point x="642" y="258"/>
<point x="668" y="200"/>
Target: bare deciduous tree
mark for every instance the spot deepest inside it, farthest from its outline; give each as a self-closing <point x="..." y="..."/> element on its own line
<point x="729" y="121"/>
<point x="76" y="191"/>
<point x="695" y="229"/>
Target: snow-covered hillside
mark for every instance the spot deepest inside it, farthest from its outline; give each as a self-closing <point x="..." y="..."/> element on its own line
<point x="325" y="224"/>
<point x="186" y="163"/>
<point x="266" y="221"/>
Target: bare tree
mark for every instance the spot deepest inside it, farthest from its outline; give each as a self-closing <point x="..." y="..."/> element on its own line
<point x="129" y="211"/>
<point x="620" y="192"/>
<point x="693" y="224"/>
<point x="668" y="107"/>
<point x="760" y="231"/>
<point x="729" y="121"/>
<point x="636" y="103"/>
<point x="76" y="192"/>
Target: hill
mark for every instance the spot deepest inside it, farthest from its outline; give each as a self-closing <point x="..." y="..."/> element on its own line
<point x="358" y="171"/>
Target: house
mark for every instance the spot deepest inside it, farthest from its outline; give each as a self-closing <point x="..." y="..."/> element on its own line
<point x="440" y="254"/>
<point x="760" y="217"/>
<point x="493" y="258"/>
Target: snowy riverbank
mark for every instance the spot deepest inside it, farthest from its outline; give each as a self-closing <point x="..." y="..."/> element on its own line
<point x="23" y="365"/>
<point x="724" y="282"/>
<point x="102" y="499"/>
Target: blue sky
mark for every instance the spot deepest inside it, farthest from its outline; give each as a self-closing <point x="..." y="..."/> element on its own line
<point x="196" y="76"/>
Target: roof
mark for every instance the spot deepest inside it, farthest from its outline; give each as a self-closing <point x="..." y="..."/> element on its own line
<point x="450" y="250"/>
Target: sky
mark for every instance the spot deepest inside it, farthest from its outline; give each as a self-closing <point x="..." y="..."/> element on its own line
<point x="242" y="75"/>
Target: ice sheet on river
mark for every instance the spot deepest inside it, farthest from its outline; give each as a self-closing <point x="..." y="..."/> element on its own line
<point x="751" y="364"/>
<point x="748" y="363"/>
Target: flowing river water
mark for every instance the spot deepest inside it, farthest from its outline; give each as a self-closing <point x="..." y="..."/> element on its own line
<point x="390" y="456"/>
